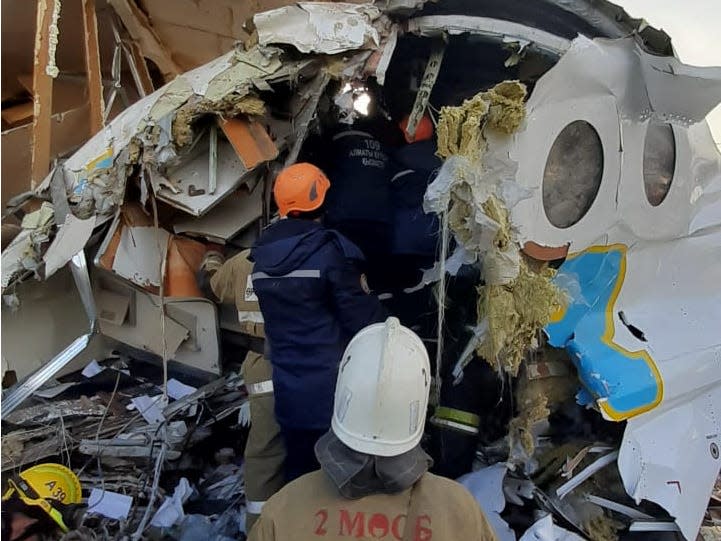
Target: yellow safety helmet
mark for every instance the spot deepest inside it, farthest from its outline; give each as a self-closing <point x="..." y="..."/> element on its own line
<point x="49" y="486"/>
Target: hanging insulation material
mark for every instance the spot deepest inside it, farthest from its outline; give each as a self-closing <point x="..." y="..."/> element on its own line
<point x="230" y="106"/>
<point x="602" y="528"/>
<point x="516" y="312"/>
<point x="507" y="108"/>
<point x="459" y="128"/>
<point x="544" y="383"/>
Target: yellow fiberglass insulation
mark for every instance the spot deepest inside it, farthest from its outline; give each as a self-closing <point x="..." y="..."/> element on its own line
<point x="459" y="128"/>
<point x="507" y="109"/>
<point x="602" y="528"/>
<point x="516" y="312"/>
<point x="230" y="106"/>
<point x="537" y="397"/>
<point x="533" y="407"/>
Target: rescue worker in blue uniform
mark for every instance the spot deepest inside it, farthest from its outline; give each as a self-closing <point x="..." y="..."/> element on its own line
<point x="415" y="235"/>
<point x="313" y="299"/>
<point x="359" y="201"/>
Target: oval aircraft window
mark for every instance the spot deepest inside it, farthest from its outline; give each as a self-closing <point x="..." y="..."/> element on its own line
<point x="573" y="173"/>
<point x="659" y="162"/>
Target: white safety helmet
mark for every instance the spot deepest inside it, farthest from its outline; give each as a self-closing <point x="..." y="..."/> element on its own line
<point x="382" y="390"/>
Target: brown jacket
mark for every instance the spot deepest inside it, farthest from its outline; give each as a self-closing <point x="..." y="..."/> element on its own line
<point x="231" y="284"/>
<point x="311" y="509"/>
<point x="264" y="450"/>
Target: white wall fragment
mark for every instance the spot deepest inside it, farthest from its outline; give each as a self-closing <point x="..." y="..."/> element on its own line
<point x="70" y="239"/>
<point x="319" y="27"/>
<point x="140" y="253"/>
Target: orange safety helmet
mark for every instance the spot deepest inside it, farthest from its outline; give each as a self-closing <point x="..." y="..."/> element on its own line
<point x="424" y="129"/>
<point x="300" y="187"/>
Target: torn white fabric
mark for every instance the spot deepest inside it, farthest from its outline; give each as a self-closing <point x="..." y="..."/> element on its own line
<point x="319" y="27"/>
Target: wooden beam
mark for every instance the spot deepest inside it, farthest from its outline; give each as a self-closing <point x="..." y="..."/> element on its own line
<point x="43" y="93"/>
<point x="146" y="82"/>
<point x="92" y="66"/>
<point x="138" y="26"/>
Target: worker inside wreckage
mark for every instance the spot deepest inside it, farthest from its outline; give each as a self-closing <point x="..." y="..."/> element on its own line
<point x="420" y="255"/>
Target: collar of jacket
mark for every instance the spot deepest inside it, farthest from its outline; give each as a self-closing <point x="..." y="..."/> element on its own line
<point x="357" y="475"/>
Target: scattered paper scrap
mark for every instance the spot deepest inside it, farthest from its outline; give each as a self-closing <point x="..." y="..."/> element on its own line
<point x="109" y="504"/>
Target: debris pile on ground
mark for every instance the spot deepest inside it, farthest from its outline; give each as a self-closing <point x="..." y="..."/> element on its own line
<point x="113" y="428"/>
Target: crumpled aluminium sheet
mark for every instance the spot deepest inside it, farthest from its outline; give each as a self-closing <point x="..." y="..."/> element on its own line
<point x="95" y="175"/>
<point x="619" y="89"/>
<point x="319" y="27"/>
<point x="641" y="327"/>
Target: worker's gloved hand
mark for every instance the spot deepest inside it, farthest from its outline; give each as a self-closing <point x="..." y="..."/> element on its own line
<point x="212" y="261"/>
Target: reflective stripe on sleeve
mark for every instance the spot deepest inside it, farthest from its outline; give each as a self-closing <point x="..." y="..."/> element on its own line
<point x="262" y="387"/>
<point x="307" y="273"/>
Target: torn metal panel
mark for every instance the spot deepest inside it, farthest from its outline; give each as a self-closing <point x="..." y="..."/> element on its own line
<point x="146" y="256"/>
<point x="498" y="29"/>
<point x="670" y="456"/>
<point x="663" y="379"/>
<point x="250" y="141"/>
<point x="616" y="104"/>
<point x="644" y="85"/>
<point x="192" y="182"/>
<point x="320" y="27"/>
<point x="140" y="254"/>
<point x="190" y="324"/>
<point x="626" y="357"/>
<point x="236" y="212"/>
<point x="95" y="176"/>
<point x="142" y="328"/>
<point x="28" y="385"/>
<point x="486" y="486"/>
<point x="70" y="239"/>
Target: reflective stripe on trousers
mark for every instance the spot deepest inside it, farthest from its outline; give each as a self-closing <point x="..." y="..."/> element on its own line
<point x="253" y="507"/>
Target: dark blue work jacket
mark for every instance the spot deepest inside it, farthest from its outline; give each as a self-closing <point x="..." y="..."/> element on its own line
<point x="414" y="231"/>
<point x="313" y="302"/>
<point x="359" y="172"/>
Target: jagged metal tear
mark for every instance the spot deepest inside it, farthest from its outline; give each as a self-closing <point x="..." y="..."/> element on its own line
<point x="79" y="267"/>
<point x="27" y="386"/>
